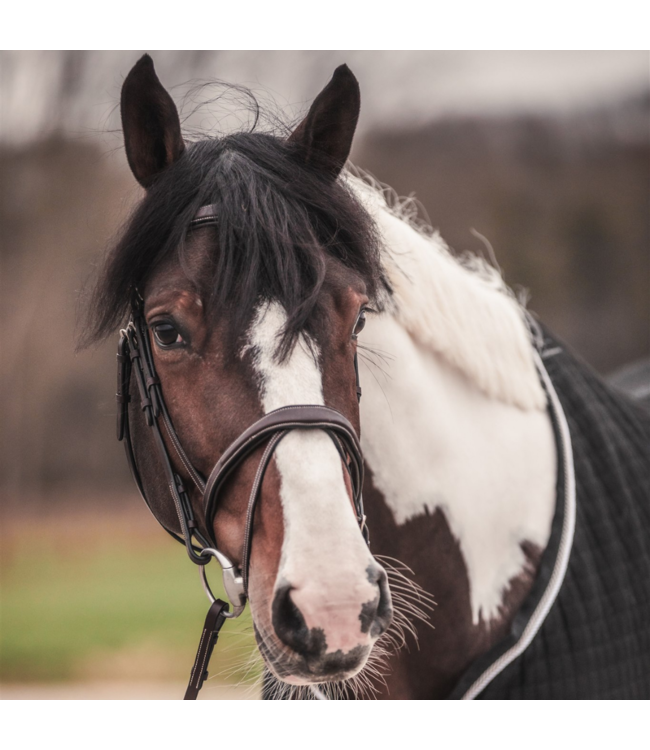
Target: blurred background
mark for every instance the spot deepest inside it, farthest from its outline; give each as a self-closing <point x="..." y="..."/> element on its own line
<point x="545" y="154"/>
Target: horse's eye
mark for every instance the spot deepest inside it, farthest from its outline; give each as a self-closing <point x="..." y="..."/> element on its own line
<point x="166" y="334"/>
<point x="360" y="324"/>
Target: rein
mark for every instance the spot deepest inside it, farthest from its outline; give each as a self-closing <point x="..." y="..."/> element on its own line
<point x="135" y="358"/>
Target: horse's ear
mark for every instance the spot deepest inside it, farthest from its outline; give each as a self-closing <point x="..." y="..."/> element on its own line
<point x="325" y="135"/>
<point x="152" y="130"/>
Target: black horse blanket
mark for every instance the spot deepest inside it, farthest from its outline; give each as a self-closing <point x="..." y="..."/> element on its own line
<point x="584" y="631"/>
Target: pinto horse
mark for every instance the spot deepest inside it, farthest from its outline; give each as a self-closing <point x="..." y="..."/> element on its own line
<point x="264" y="277"/>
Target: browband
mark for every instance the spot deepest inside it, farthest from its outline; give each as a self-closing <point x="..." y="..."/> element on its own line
<point x="205" y="215"/>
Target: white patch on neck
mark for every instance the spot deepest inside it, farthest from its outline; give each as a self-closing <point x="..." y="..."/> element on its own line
<point x="434" y="440"/>
<point x="324" y="556"/>
<point x="459" y="421"/>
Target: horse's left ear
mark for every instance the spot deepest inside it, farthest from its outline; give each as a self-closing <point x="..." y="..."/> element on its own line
<point x="325" y="135"/>
<point x="152" y="129"/>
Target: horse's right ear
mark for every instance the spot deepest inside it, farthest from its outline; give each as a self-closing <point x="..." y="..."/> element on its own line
<point x="152" y="129"/>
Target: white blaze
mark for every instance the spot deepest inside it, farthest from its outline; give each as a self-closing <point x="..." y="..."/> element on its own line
<point x="323" y="556"/>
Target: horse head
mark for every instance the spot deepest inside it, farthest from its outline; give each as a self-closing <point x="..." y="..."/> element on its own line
<point x="255" y="310"/>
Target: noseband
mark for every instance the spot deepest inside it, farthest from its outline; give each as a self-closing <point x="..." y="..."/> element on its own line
<point x="135" y="357"/>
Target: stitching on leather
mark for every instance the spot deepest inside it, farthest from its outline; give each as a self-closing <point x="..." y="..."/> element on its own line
<point x="205" y="657"/>
<point x="174" y="492"/>
<point x="198" y="653"/>
<point x="252" y="501"/>
<point x="182" y="455"/>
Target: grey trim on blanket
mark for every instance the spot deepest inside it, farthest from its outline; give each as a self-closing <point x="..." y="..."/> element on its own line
<point x="566" y="498"/>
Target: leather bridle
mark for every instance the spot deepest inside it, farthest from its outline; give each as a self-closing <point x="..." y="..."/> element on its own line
<point x="135" y="359"/>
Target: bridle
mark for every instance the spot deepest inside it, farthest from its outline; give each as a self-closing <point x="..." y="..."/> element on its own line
<point x="135" y="358"/>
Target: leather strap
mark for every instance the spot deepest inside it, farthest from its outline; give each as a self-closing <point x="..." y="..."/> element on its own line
<point x="282" y="420"/>
<point x="213" y="622"/>
<point x="252" y="504"/>
<point x="205" y="215"/>
<point x="123" y="379"/>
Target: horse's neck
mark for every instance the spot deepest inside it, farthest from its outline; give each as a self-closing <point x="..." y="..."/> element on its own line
<point x="433" y="440"/>
<point x="453" y="415"/>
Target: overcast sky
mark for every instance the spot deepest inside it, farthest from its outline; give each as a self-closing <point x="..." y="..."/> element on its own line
<point x="42" y="92"/>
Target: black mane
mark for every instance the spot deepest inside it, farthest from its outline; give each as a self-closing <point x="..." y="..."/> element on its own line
<point x="276" y="218"/>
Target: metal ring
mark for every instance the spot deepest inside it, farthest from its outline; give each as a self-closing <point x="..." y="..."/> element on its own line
<point x="232" y="582"/>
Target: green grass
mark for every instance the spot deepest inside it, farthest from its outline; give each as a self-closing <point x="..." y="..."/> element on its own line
<point x="65" y="610"/>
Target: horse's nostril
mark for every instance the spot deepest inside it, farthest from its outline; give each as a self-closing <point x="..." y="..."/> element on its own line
<point x="290" y="626"/>
<point x="377" y="615"/>
<point x="375" y="573"/>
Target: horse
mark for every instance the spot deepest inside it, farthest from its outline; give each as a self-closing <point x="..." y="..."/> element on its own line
<point x="495" y="505"/>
